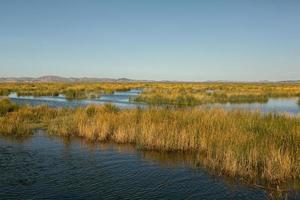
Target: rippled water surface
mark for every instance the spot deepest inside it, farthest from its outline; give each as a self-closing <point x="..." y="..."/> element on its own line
<point x="52" y="168"/>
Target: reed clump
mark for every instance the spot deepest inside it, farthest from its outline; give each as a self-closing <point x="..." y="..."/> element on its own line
<point x="7" y="106"/>
<point x="203" y="93"/>
<point x="22" y="120"/>
<point x="236" y="143"/>
<point x="19" y="123"/>
<point x="179" y="94"/>
<point x="4" y="92"/>
<point x="69" y="90"/>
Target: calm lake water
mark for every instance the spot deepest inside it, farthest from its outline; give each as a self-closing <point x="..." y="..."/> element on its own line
<point x="122" y="100"/>
<point x="41" y="167"/>
<point x="54" y="168"/>
<point x="274" y="105"/>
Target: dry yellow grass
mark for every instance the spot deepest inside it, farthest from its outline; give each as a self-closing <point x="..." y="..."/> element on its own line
<point x="70" y="90"/>
<point x="181" y="94"/>
<point x="235" y="143"/>
<point x="200" y="93"/>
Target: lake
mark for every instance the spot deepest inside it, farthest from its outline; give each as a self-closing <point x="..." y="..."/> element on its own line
<point x="274" y="105"/>
<point x="43" y="167"/>
<point x="122" y="100"/>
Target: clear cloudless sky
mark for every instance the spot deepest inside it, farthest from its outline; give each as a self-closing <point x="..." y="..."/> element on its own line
<point x="151" y="39"/>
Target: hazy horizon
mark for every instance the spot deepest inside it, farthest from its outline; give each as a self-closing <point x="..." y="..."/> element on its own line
<point x="151" y="40"/>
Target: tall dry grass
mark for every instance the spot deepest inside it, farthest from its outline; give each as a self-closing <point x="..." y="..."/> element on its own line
<point x="236" y="143"/>
<point x="22" y="120"/>
<point x="190" y="94"/>
<point x="70" y="90"/>
<point x="6" y="106"/>
<point x="180" y="94"/>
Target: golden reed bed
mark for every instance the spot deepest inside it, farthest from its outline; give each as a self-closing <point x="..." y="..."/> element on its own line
<point x="236" y="143"/>
<point x="158" y="93"/>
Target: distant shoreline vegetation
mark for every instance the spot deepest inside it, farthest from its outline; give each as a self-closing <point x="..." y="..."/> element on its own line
<point x="235" y="143"/>
<point x="178" y="94"/>
<point x="69" y="90"/>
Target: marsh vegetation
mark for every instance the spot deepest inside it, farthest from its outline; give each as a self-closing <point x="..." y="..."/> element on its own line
<point x="235" y="143"/>
<point x="204" y="93"/>
<point x="69" y="90"/>
<point x="178" y="94"/>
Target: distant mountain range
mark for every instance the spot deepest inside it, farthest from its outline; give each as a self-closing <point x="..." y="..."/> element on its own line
<point x="55" y="79"/>
<point x="45" y="79"/>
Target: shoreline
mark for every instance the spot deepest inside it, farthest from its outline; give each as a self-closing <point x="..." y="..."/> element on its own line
<point x="234" y="143"/>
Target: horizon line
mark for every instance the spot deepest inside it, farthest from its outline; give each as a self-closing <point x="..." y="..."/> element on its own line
<point x="137" y="80"/>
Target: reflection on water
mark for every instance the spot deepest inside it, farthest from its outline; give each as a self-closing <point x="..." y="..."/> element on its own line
<point x="278" y="105"/>
<point x="120" y="99"/>
<point x="123" y="100"/>
<point x="52" y="167"/>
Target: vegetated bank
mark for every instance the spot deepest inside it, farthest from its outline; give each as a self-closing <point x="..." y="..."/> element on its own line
<point x="69" y="90"/>
<point x="162" y="93"/>
<point x="184" y="94"/>
<point x="234" y="143"/>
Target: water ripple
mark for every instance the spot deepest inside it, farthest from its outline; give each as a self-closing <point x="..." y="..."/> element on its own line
<point x="43" y="167"/>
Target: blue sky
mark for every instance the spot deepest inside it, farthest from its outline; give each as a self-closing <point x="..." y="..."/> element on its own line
<point x="154" y="39"/>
